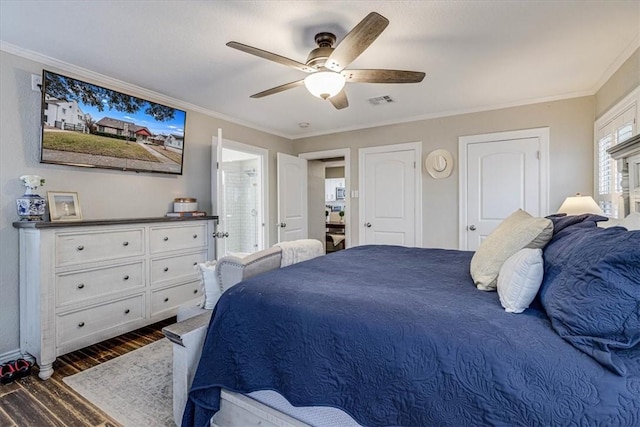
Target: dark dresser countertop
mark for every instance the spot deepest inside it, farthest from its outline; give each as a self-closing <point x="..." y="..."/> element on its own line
<point x="86" y="223"/>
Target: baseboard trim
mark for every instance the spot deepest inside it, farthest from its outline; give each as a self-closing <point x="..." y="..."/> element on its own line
<point x="10" y="355"/>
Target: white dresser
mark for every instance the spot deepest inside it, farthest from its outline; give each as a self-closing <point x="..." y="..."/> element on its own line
<point x="84" y="282"/>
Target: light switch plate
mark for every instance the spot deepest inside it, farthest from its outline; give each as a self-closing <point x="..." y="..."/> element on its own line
<point x="36" y="82"/>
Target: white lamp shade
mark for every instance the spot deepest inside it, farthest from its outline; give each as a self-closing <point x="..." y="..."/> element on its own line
<point x="579" y="204"/>
<point x="324" y="84"/>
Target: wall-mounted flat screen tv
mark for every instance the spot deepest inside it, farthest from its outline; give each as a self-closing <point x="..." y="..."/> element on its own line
<point x="87" y="125"/>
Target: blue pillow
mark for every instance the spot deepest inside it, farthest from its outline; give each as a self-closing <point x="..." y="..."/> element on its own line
<point x="562" y="221"/>
<point x="591" y="292"/>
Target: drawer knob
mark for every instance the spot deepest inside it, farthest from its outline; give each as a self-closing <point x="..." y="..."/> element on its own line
<point x="195" y="291"/>
<point x="127" y="311"/>
<point x="81" y="285"/>
<point x="80" y="325"/>
<point x="165" y="239"/>
<point x="126" y="277"/>
<point x="166" y="269"/>
<point x="195" y="263"/>
<point x="195" y="236"/>
<point x="166" y="299"/>
<point x="80" y="248"/>
<point x="125" y="243"/>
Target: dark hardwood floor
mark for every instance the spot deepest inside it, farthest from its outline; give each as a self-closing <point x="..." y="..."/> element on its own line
<point x="29" y="401"/>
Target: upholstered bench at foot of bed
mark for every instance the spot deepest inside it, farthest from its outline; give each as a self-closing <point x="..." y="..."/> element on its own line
<point x="189" y="332"/>
<point x="187" y="337"/>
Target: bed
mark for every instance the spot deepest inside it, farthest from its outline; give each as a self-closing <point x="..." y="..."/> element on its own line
<point x="401" y="336"/>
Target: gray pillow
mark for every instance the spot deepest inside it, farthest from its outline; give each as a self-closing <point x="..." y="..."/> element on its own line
<point x="518" y="231"/>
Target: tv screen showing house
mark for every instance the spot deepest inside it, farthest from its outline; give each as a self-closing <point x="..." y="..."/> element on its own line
<point x="88" y="125"/>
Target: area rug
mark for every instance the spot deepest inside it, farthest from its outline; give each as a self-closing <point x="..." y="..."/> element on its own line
<point x="135" y="389"/>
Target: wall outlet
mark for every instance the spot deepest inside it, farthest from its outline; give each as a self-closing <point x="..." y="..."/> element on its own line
<point x="36" y="82"/>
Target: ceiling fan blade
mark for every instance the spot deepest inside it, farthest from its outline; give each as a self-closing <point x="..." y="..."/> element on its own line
<point x="383" y="76"/>
<point x="357" y="41"/>
<point x="272" y="57"/>
<point x="340" y="100"/>
<point x="278" y="89"/>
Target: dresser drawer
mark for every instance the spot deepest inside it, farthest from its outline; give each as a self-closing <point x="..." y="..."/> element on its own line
<point x="93" y="320"/>
<point x="164" y="239"/>
<point x="86" y="284"/>
<point x="166" y="299"/>
<point x="171" y="268"/>
<point x="76" y="248"/>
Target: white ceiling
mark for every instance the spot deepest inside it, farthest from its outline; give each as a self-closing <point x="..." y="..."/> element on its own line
<point x="477" y="55"/>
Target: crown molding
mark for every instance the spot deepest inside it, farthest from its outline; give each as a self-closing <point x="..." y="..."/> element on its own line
<point x="617" y="63"/>
<point x="128" y="87"/>
<point x="82" y="72"/>
<point x="451" y="113"/>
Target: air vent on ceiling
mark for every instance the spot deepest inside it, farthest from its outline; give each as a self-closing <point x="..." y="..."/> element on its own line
<point x="381" y="100"/>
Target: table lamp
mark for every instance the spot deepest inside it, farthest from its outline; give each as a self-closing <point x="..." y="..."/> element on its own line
<point x="579" y="204"/>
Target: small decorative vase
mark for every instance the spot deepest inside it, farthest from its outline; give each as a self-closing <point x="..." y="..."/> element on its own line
<point x="31" y="207"/>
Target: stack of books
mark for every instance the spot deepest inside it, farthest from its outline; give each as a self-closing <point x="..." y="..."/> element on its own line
<point x="186" y="214"/>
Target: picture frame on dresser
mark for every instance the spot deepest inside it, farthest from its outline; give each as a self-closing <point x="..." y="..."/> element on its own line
<point x="64" y="206"/>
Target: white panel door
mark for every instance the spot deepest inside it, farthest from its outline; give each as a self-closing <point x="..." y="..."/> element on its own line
<point x="389" y="197"/>
<point x="502" y="176"/>
<point x="292" y="198"/>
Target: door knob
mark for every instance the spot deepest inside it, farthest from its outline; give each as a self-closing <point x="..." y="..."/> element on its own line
<point x="367" y="224"/>
<point x="472" y="227"/>
<point x="281" y="224"/>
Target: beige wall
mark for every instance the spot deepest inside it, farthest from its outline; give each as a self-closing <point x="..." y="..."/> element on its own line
<point x="102" y="193"/>
<point x="115" y="194"/>
<point x="622" y="82"/>
<point x="571" y="153"/>
<point x="335" y="172"/>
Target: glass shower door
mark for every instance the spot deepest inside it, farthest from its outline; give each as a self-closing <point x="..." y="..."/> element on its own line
<point x="241" y="205"/>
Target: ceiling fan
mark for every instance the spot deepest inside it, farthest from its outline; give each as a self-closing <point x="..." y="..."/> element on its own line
<point x="326" y="65"/>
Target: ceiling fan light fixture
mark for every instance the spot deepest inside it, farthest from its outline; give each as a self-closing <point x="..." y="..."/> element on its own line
<point x="324" y="84"/>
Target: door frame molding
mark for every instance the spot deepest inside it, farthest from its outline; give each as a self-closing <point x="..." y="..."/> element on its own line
<point x="346" y="153"/>
<point x="263" y="154"/>
<point x="406" y="146"/>
<point x="463" y="143"/>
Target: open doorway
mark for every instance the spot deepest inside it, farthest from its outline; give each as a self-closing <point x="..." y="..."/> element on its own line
<point x="335" y="203"/>
<point x="328" y="198"/>
<point x="241" y="202"/>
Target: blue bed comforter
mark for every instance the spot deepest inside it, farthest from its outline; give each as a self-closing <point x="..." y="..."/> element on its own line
<point x="400" y="336"/>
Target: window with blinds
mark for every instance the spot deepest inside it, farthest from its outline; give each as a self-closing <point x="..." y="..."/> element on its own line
<point x="609" y="133"/>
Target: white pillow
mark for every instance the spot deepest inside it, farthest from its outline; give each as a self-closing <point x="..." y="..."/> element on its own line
<point x="212" y="289"/>
<point x="518" y="231"/>
<point x="520" y="279"/>
<point x="631" y="222"/>
<point x="611" y="222"/>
